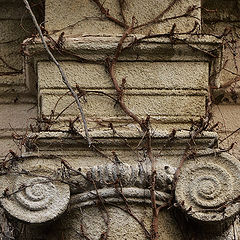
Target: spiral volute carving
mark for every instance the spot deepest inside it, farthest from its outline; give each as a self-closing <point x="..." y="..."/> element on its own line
<point x="37" y="199"/>
<point x="208" y="186"/>
<point x="36" y="194"/>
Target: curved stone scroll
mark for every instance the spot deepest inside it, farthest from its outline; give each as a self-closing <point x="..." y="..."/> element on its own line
<point x="208" y="188"/>
<point x="36" y="199"/>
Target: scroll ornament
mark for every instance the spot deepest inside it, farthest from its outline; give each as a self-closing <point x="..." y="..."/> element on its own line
<point x="36" y="199"/>
<point x="208" y="188"/>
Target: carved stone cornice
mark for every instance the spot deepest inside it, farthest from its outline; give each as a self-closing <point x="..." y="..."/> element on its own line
<point x="105" y="139"/>
<point x="97" y="48"/>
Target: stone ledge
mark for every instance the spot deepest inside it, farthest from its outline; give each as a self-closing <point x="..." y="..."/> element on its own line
<point x="139" y="75"/>
<point x="154" y="49"/>
<point x="106" y="138"/>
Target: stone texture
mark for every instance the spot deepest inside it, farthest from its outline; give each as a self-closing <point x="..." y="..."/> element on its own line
<point x="15" y="121"/>
<point x="17" y="118"/>
<point x="160" y="89"/>
<point x="15" y="107"/>
<point x="93" y="225"/>
<point x="156" y="104"/>
<point x="139" y="75"/>
<point x="227" y="97"/>
<point x="36" y="199"/>
<point x="226" y="11"/>
<point x="12" y="10"/>
<point x="83" y="16"/>
<point x="165" y="80"/>
<point x="130" y="176"/>
<point x="228" y="116"/>
<point x="208" y="184"/>
<point x="10" y="47"/>
<point x="224" y="19"/>
<point x="104" y="176"/>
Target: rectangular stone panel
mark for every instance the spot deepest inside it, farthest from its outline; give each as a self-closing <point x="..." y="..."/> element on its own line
<point x="14" y="28"/>
<point x="139" y="75"/>
<point x="100" y="106"/>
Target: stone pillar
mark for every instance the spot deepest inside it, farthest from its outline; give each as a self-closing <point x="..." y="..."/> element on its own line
<point x="107" y="187"/>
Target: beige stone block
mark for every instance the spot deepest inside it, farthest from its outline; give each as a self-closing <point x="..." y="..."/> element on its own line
<point x="15" y="30"/>
<point x="130" y="229"/>
<point x="229" y="140"/>
<point x="228" y="116"/>
<point x="159" y="49"/>
<point x="16" y="116"/>
<point x="14" y="119"/>
<point x="7" y="144"/>
<point x="12" y="34"/>
<point x="139" y="75"/>
<point x="142" y="103"/>
<point x="10" y="53"/>
<point x="83" y="16"/>
<point x="230" y="55"/>
<point x="10" y="82"/>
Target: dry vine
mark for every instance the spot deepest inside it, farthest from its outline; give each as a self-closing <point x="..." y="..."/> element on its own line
<point x="144" y="124"/>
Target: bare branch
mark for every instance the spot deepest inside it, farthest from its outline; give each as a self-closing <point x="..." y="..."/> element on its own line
<point x="64" y="78"/>
<point x="106" y="13"/>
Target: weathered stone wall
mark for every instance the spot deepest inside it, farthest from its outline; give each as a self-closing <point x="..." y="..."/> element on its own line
<point x="17" y="96"/>
<point x="165" y="80"/>
<point x="16" y="26"/>
<point x="226" y="110"/>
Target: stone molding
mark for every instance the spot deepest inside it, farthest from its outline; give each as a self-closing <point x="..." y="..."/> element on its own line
<point x="97" y="48"/>
<point x="207" y="190"/>
<point x="152" y="63"/>
<point x="64" y="141"/>
<point x="111" y="181"/>
<point x="111" y="195"/>
<point x="127" y="176"/>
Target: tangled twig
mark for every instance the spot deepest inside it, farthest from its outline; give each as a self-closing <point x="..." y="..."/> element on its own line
<point x="64" y="77"/>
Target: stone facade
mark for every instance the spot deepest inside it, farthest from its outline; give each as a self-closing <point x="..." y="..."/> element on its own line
<point x="57" y="186"/>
